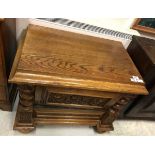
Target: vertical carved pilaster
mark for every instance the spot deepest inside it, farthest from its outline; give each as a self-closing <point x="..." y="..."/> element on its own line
<point x="112" y="113"/>
<point x="24" y="117"/>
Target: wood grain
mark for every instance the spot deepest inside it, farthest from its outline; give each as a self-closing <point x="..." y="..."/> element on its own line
<point x="56" y="57"/>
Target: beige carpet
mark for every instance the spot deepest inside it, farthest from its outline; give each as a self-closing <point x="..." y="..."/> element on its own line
<point x="126" y="128"/>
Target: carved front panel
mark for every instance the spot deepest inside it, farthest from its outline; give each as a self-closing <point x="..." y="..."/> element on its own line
<point x="46" y="97"/>
<point x="76" y="99"/>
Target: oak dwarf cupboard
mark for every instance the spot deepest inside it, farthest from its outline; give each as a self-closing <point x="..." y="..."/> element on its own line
<point x="69" y="78"/>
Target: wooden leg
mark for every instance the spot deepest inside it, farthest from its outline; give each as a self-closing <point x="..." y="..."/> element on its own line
<point x="106" y="122"/>
<point x="24" y="117"/>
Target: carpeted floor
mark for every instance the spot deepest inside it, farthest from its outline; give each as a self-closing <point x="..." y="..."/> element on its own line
<point x="122" y="128"/>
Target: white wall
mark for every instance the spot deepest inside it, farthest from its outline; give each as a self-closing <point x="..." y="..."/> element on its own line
<point x="117" y="24"/>
<point x="21" y="24"/>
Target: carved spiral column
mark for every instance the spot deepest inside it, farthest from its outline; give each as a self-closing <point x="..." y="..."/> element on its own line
<point x="26" y="97"/>
<point x="112" y="113"/>
<point x="24" y="117"/>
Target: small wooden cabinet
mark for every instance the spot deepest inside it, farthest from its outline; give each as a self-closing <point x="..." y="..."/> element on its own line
<point x="142" y="52"/>
<point x="70" y="78"/>
<point x="7" y="53"/>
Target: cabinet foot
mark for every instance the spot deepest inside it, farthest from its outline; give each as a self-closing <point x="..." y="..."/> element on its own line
<point x="23" y="129"/>
<point x="101" y="128"/>
<point x="24" y="122"/>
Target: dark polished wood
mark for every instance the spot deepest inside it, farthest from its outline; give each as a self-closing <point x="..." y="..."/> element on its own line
<point x="70" y="78"/>
<point x="7" y="53"/>
<point x="142" y="52"/>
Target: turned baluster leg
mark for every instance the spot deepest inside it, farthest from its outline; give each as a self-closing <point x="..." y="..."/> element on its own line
<point x="24" y="117"/>
<point x="106" y="122"/>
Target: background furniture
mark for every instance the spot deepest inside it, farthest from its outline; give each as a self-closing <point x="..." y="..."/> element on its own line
<point x="145" y="25"/>
<point x="142" y="52"/>
<point x="7" y="53"/>
<point x="70" y="78"/>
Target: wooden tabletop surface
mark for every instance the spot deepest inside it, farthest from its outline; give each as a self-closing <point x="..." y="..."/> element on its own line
<point x="55" y="57"/>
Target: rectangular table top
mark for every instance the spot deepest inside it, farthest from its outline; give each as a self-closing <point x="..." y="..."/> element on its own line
<point x="59" y="58"/>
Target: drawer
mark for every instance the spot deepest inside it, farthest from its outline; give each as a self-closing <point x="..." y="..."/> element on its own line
<point x="2" y="93"/>
<point x="71" y="98"/>
<point x="74" y="100"/>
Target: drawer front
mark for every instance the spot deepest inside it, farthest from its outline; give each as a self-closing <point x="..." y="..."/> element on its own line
<point x="2" y="93"/>
<point x="73" y="98"/>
